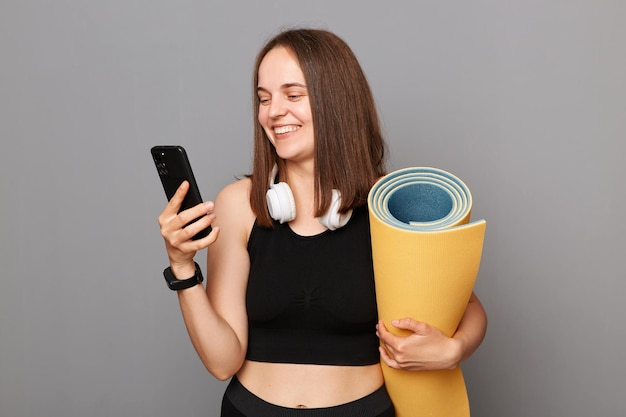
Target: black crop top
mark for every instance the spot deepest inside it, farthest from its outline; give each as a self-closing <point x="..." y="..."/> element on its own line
<point x="311" y="299"/>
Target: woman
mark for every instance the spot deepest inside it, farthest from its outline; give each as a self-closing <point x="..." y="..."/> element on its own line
<point x="289" y="309"/>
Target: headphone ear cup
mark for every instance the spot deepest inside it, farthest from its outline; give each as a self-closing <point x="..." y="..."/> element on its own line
<point x="280" y="202"/>
<point x="332" y="219"/>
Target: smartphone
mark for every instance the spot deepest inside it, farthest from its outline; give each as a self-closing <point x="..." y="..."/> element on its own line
<point x="173" y="167"/>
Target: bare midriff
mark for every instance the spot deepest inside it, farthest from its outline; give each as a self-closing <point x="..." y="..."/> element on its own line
<point x="309" y="386"/>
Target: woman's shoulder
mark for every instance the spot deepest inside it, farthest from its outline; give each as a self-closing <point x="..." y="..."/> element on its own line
<point x="235" y="195"/>
<point x="237" y="190"/>
<point x="233" y="202"/>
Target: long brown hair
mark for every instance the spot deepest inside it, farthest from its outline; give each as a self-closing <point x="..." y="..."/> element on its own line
<point x="349" y="146"/>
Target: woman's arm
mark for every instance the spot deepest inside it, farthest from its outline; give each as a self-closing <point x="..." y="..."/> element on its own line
<point x="428" y="348"/>
<point x="472" y="328"/>
<point x="215" y="317"/>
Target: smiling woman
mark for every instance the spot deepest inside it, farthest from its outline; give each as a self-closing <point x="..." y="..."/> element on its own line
<point x="289" y="312"/>
<point x="349" y="147"/>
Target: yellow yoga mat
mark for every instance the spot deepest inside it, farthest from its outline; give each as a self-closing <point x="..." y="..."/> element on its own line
<point x="426" y="259"/>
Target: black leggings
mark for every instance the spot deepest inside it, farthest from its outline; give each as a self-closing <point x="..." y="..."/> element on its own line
<point x="239" y="402"/>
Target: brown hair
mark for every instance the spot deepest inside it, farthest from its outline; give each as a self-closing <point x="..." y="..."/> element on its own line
<point x="349" y="147"/>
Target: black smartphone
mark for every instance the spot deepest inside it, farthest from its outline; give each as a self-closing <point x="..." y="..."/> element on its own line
<point x="173" y="167"/>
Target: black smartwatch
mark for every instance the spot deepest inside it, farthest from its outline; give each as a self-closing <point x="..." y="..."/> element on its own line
<point x="180" y="284"/>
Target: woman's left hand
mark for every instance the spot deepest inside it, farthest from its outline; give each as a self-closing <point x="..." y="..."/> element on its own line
<point x="427" y="348"/>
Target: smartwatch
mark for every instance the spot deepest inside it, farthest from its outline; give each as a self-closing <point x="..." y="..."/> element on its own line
<point x="180" y="284"/>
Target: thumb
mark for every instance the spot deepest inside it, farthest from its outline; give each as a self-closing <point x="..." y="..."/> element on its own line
<point x="408" y="323"/>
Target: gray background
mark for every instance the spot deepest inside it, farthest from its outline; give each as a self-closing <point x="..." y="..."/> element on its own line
<point x="524" y="100"/>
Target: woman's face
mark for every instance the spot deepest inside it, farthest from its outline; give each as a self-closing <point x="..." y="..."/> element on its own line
<point x="284" y="108"/>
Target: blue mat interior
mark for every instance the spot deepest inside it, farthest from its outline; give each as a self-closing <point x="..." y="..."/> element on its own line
<point x="419" y="203"/>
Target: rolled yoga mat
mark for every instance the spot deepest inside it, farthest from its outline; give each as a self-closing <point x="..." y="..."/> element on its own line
<point x="426" y="258"/>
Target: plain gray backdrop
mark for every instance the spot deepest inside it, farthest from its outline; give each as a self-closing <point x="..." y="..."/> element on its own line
<point x="524" y="100"/>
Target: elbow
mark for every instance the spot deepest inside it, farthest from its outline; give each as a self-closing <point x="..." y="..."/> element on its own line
<point x="223" y="360"/>
<point x="222" y="376"/>
<point x="485" y="325"/>
<point x="224" y="371"/>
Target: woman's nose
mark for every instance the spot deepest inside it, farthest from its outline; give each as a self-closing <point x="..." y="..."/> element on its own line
<point x="277" y="108"/>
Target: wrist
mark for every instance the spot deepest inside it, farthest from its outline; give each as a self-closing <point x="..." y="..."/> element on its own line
<point x="184" y="270"/>
<point x="175" y="283"/>
<point x="455" y="352"/>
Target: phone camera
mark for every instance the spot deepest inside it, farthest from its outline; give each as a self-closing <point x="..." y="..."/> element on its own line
<point x="162" y="168"/>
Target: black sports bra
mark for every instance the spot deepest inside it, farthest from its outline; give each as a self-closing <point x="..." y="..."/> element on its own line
<point x="311" y="299"/>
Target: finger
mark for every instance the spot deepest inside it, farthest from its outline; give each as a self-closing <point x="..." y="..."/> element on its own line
<point x="389" y="361"/>
<point x="198" y="211"/>
<point x="381" y="329"/>
<point x="411" y="325"/>
<point x="195" y="226"/>
<point x="385" y="335"/>
<point x="208" y="239"/>
<point x="192" y="246"/>
<point x="177" y="199"/>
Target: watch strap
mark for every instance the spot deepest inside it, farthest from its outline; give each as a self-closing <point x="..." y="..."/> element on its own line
<point x="176" y="284"/>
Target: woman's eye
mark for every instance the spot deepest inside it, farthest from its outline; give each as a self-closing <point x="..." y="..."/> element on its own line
<point x="294" y="97"/>
<point x="264" y="101"/>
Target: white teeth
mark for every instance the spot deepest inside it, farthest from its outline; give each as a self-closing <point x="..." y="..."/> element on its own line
<point x="285" y="129"/>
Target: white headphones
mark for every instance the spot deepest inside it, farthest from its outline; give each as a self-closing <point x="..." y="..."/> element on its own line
<point x="282" y="206"/>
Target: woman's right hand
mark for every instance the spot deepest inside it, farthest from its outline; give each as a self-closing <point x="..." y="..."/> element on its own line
<point x="180" y="247"/>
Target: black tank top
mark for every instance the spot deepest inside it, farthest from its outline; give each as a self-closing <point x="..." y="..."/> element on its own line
<point x="311" y="299"/>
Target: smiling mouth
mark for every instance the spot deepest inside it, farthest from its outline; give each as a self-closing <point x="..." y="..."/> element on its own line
<point x="285" y="129"/>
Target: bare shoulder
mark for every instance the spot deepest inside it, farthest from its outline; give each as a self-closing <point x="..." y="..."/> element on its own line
<point x="232" y="206"/>
<point x="236" y="191"/>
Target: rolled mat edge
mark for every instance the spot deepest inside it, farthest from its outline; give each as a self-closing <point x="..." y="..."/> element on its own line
<point x="426" y="258"/>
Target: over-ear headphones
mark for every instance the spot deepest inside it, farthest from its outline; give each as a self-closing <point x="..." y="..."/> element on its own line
<point x="282" y="206"/>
